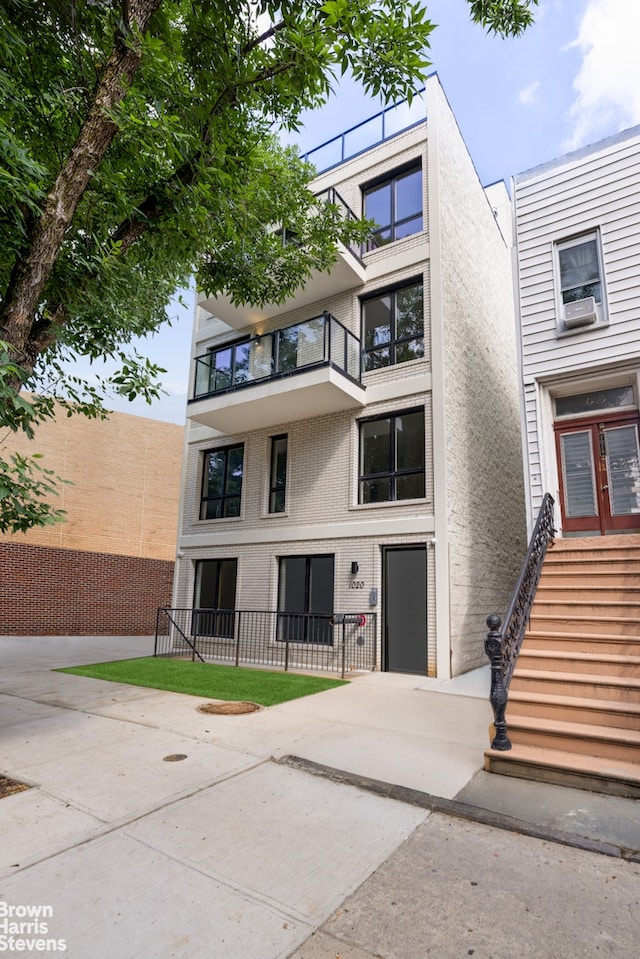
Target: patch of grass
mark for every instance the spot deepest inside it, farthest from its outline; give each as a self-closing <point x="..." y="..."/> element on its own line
<point x="208" y="680"/>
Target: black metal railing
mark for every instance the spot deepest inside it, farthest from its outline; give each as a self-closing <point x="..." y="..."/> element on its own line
<point x="330" y="642"/>
<point x="320" y="341"/>
<point x="503" y="646"/>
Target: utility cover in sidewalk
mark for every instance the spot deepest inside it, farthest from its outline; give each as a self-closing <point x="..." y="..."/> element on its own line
<point x="228" y="709"/>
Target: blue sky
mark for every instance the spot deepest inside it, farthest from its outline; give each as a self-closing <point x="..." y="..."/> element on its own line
<point x="572" y="79"/>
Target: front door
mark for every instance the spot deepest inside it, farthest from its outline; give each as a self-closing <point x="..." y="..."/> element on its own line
<point x="405" y="609"/>
<point x="599" y="466"/>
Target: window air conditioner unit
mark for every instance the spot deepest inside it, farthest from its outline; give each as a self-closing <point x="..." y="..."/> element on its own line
<point x="580" y="313"/>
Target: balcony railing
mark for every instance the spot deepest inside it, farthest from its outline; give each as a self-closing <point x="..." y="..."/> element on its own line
<point x="321" y="341"/>
<point x="378" y="128"/>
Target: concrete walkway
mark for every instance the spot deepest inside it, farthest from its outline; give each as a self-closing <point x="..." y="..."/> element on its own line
<point x="307" y="829"/>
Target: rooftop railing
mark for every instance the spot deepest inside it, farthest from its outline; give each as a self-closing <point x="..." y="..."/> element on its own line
<point x="378" y="128"/>
<point x="320" y="341"/>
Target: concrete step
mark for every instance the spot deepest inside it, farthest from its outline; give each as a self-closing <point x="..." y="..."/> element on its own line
<point x="588" y="578"/>
<point x="614" y="777"/>
<point x="582" y="685"/>
<point x="562" y="605"/>
<point x="609" y="643"/>
<point x="585" y="623"/>
<point x="580" y="592"/>
<point x="587" y="739"/>
<point x="600" y="712"/>
<point x="605" y="664"/>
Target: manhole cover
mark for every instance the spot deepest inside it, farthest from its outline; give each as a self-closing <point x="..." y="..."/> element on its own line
<point x="175" y="758"/>
<point x="228" y="709"/>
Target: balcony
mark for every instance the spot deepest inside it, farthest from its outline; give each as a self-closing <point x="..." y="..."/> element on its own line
<point x="347" y="273"/>
<point x="309" y="369"/>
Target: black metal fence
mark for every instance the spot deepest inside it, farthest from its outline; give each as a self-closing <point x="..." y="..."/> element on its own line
<point x="338" y="642"/>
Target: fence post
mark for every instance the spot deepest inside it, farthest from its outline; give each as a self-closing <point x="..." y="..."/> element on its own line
<point x="498" y="694"/>
<point x="238" y="640"/>
<point x="286" y="654"/>
<point x="344" y="643"/>
<point x="155" y="645"/>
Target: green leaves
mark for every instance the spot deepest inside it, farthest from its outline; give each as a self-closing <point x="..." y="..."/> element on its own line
<point x="190" y="177"/>
<point x="25" y="489"/>
<point x="507" y="18"/>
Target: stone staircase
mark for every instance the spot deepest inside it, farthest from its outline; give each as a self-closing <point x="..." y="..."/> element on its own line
<point x="573" y="715"/>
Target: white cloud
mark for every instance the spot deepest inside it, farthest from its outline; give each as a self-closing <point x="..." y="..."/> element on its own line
<point x="607" y="86"/>
<point x="528" y="94"/>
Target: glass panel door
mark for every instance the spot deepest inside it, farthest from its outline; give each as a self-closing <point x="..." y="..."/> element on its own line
<point x="578" y="474"/>
<point x="623" y="469"/>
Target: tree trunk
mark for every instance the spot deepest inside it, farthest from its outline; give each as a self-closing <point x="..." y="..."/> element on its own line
<point x="33" y="270"/>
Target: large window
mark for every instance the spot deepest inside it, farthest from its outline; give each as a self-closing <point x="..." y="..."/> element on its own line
<point x="579" y="270"/>
<point x="395" y="204"/>
<point x="222" y="482"/>
<point x="278" y="480"/>
<point x="392" y="457"/>
<point x="305" y="599"/>
<point x="393" y="327"/>
<point x="214" y="597"/>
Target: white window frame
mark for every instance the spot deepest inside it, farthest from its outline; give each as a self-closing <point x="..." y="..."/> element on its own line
<point x="601" y="311"/>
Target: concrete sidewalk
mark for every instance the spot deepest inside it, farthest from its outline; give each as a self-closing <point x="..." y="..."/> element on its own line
<point x="228" y="853"/>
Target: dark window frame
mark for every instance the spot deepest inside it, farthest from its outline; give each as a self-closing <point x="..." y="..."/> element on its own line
<point x="393" y="474"/>
<point x="394" y="341"/>
<point x="395" y="224"/>
<point x="305" y="625"/>
<point x="278" y="490"/>
<point x="214" y="620"/>
<point x="226" y="499"/>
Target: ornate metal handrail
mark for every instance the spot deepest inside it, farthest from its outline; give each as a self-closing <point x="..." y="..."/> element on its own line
<point x="503" y="647"/>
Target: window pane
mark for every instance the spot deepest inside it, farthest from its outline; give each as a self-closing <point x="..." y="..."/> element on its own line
<point x="578" y="474"/>
<point x="292" y="592"/>
<point x="215" y="473"/>
<point x="411" y="350"/>
<point x="623" y="468"/>
<point x="242" y="363"/>
<point x="410" y="487"/>
<point x="232" y="506"/>
<point x="409" y="312"/>
<point x="227" y="584"/>
<point x="376" y="490"/>
<point x="377" y="321"/>
<point x="409" y="195"/>
<point x="601" y="400"/>
<point x="278" y="474"/>
<point x="212" y="509"/>
<point x="376" y="449"/>
<point x="377" y="359"/>
<point x="377" y="204"/>
<point x="579" y="264"/>
<point x="234" y="470"/>
<point x="409" y="227"/>
<point x="206" y="590"/>
<point x="410" y="441"/>
<point x="581" y="293"/>
<point x="321" y="584"/>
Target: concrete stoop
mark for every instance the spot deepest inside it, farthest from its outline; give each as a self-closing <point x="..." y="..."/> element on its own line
<point x="574" y="702"/>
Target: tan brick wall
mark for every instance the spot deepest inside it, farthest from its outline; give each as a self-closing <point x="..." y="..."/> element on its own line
<point x="125" y="476"/>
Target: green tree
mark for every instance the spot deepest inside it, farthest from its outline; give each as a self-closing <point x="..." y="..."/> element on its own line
<point x="137" y="148"/>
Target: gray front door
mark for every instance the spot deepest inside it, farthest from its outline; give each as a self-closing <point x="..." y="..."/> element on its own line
<point x="405" y="609"/>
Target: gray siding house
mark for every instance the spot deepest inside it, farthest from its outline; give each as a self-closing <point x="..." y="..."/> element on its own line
<point x="578" y="253"/>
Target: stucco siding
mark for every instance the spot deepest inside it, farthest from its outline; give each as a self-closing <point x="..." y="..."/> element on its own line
<point x="484" y="490"/>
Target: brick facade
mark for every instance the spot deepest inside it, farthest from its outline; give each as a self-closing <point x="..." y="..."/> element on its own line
<point x="109" y="565"/>
<point x="61" y="592"/>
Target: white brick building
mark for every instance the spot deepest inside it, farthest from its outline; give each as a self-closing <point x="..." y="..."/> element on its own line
<point x="578" y="246"/>
<point x="358" y="449"/>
